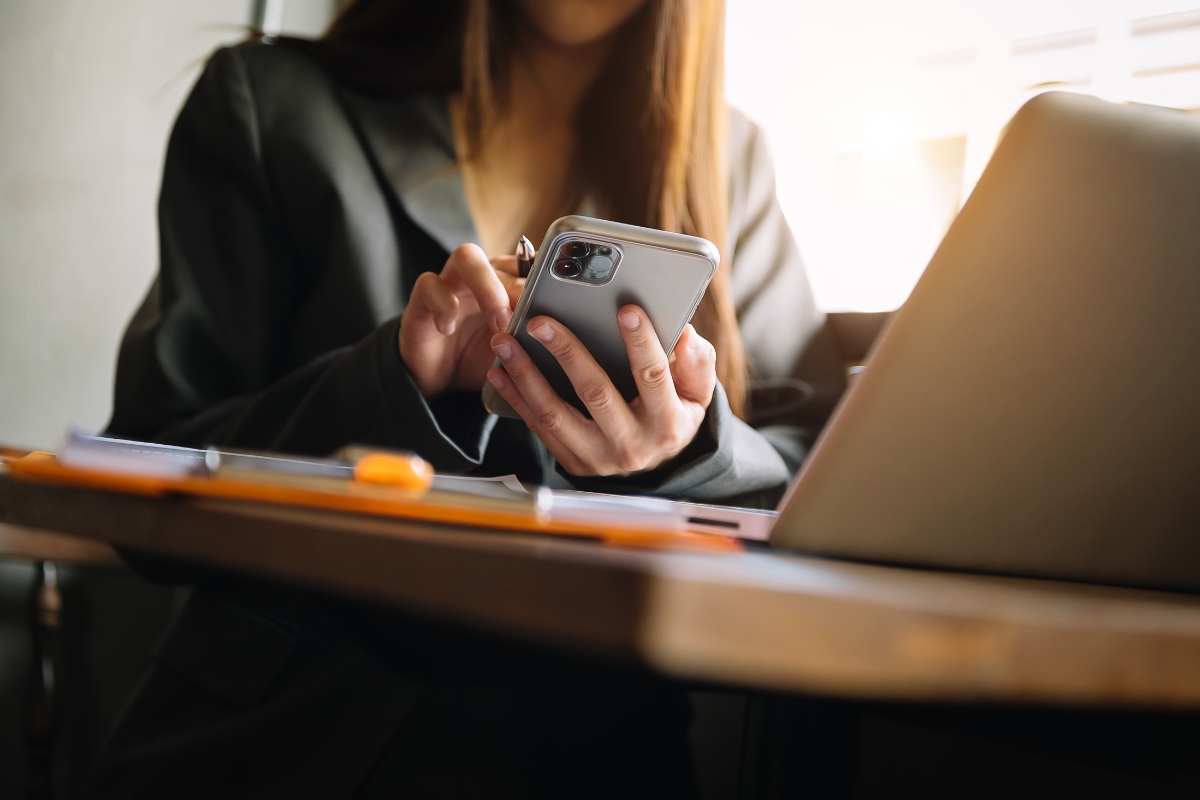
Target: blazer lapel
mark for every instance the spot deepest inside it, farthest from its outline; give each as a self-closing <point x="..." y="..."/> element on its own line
<point x="412" y="144"/>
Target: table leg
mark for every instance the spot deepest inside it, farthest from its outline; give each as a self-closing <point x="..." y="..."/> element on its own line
<point x="40" y="718"/>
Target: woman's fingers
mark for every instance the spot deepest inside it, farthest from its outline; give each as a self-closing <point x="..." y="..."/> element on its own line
<point x="469" y="290"/>
<point x="515" y="288"/>
<point x="651" y="370"/>
<point x="506" y="264"/>
<point x="562" y="453"/>
<point x="618" y="440"/>
<point x="510" y="275"/>
<point x="548" y="414"/>
<point x="695" y="367"/>
<point x="609" y="410"/>
<point x="431" y="294"/>
<point x="469" y="268"/>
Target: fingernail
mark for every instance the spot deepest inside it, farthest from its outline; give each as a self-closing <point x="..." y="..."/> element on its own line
<point x="630" y="320"/>
<point x="497" y="379"/>
<point x="500" y="320"/>
<point x="503" y="350"/>
<point x="543" y="333"/>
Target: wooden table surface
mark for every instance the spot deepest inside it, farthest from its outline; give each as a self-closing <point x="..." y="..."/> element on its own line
<point x="756" y="619"/>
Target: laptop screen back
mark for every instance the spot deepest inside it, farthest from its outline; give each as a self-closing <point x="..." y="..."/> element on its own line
<point x="1034" y="408"/>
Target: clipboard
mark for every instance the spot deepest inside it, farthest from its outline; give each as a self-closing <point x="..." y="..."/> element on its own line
<point x="349" y="496"/>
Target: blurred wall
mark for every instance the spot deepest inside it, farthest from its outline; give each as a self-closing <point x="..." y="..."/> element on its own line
<point x="882" y="114"/>
<point x="88" y="92"/>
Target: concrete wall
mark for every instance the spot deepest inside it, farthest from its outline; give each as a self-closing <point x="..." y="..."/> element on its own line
<point x="88" y="92"/>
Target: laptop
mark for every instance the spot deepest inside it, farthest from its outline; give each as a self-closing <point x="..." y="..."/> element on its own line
<point x="1034" y="408"/>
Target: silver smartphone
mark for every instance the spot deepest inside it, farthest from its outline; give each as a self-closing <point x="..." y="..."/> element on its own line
<point x="588" y="268"/>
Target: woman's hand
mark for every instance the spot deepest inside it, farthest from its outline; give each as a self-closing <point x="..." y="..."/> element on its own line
<point x="621" y="438"/>
<point x="451" y="316"/>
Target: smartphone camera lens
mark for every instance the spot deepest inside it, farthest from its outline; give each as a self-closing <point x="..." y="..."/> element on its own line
<point x="605" y="251"/>
<point x="574" y="250"/>
<point x="567" y="267"/>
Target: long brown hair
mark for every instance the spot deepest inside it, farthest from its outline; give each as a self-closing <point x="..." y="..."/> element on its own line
<point x="651" y="129"/>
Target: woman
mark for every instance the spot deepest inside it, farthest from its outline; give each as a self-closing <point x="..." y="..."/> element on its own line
<point x="334" y="220"/>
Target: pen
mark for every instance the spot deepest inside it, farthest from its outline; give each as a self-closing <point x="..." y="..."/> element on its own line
<point x="357" y="464"/>
<point x="525" y="254"/>
<point x="404" y="470"/>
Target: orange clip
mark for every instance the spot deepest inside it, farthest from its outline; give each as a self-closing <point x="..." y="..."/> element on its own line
<point x="405" y="472"/>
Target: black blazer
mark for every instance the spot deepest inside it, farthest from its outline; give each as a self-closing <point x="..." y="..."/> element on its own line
<point x="295" y="216"/>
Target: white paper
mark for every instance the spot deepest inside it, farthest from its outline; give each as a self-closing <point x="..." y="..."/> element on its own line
<point x="624" y="511"/>
<point x="505" y="487"/>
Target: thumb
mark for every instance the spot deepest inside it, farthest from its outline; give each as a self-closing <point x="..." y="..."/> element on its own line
<point x="694" y="368"/>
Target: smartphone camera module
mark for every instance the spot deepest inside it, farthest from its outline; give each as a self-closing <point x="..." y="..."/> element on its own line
<point x="586" y="262"/>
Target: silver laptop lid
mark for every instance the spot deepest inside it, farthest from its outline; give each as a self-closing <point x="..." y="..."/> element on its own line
<point x="1034" y="408"/>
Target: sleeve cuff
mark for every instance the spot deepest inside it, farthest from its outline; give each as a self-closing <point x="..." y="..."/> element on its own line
<point x="728" y="459"/>
<point x="424" y="424"/>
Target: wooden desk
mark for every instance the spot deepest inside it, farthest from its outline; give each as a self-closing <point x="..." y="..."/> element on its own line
<point x="756" y="620"/>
